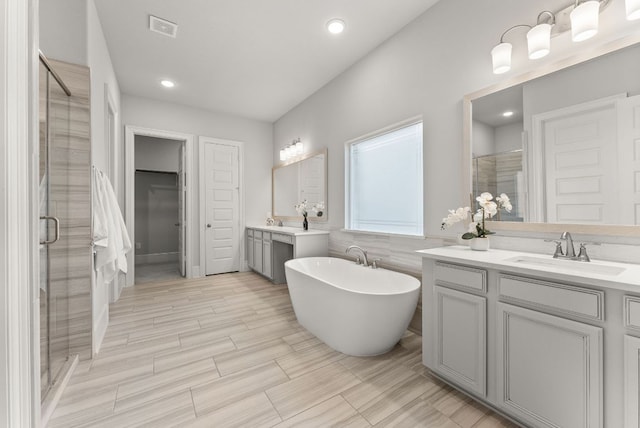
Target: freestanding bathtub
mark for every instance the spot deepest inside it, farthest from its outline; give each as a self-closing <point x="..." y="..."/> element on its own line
<point x="354" y="309"/>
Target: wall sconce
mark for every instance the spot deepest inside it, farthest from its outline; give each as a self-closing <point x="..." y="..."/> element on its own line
<point x="296" y="148"/>
<point x="583" y="22"/>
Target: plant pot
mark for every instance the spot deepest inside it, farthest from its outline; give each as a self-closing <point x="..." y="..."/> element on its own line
<point x="479" y="244"/>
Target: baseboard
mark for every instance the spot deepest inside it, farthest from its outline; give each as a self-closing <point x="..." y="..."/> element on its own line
<point x="156" y="258"/>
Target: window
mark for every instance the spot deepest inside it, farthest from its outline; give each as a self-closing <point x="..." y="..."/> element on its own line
<point x="384" y="191"/>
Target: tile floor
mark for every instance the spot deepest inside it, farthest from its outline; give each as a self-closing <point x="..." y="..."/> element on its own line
<point x="156" y="272"/>
<point x="227" y="351"/>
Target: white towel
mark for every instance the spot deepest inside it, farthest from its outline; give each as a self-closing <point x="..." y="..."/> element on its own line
<point x="110" y="235"/>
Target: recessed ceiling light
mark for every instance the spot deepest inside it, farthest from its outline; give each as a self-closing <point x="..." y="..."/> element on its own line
<point x="508" y="113"/>
<point x="167" y="83"/>
<point x="335" y="26"/>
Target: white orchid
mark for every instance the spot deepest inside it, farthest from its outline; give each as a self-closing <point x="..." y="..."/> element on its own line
<point x="301" y="208"/>
<point x="488" y="209"/>
<point x="504" y="202"/>
<point x="484" y="199"/>
<point x="455" y="216"/>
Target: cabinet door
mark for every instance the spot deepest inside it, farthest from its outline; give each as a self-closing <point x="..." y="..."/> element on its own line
<point x="549" y="369"/>
<point x="250" y="252"/>
<point x="631" y="381"/>
<point x="257" y="255"/>
<point x="266" y="259"/>
<point x="460" y="336"/>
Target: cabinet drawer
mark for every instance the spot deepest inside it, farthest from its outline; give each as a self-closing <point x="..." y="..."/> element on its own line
<point x="250" y="233"/>
<point x="257" y="234"/>
<point x="266" y="236"/>
<point x="288" y="239"/>
<point x="552" y="297"/>
<point x="632" y="312"/>
<point x="461" y="276"/>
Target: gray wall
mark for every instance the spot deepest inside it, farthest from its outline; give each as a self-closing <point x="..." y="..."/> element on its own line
<point x="426" y="69"/>
<point x="156" y="213"/>
<point x="256" y="136"/>
<point x="157" y="154"/>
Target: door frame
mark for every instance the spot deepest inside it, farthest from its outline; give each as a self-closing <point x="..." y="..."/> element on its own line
<point x="203" y="198"/>
<point x="129" y="190"/>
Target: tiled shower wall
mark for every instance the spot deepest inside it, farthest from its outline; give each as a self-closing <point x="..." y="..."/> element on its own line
<point x="71" y="202"/>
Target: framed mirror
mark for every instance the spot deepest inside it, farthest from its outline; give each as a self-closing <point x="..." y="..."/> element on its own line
<point x="563" y="145"/>
<point x="294" y="182"/>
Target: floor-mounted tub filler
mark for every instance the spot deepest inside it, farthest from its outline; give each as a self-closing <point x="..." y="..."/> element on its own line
<point x="354" y="309"/>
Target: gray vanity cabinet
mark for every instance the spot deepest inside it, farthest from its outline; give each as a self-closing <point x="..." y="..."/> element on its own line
<point x="631" y="314"/>
<point x="259" y="251"/>
<point x="529" y="347"/>
<point x="269" y="247"/>
<point x="549" y="369"/>
<point x="460" y="345"/>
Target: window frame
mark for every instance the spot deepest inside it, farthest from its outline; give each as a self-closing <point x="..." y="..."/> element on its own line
<point x="347" y="176"/>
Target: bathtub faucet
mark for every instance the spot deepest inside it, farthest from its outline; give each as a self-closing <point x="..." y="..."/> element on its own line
<point x="365" y="262"/>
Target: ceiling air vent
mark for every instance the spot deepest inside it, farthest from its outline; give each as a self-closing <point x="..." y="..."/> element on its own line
<point x="163" y="26"/>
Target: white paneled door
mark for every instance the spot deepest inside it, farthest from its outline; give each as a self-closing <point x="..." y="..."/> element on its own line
<point x="222" y="210"/>
<point x="629" y="159"/>
<point x="580" y="156"/>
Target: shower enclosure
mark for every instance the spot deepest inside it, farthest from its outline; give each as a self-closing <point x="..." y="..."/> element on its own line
<point x="65" y="221"/>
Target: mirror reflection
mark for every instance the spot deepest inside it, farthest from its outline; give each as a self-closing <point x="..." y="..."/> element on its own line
<point x="299" y="181"/>
<point x="565" y="147"/>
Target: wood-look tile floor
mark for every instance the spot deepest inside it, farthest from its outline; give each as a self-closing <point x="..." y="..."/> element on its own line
<point x="227" y="351"/>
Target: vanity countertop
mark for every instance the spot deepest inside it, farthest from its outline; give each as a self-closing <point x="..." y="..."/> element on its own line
<point x="295" y="231"/>
<point x="621" y="276"/>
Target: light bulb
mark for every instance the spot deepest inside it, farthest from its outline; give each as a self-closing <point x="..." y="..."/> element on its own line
<point x="299" y="147"/>
<point x="539" y="41"/>
<point x="335" y="26"/>
<point x="632" y="9"/>
<point x="167" y="83"/>
<point x="283" y="155"/>
<point x="501" y="58"/>
<point x="584" y="20"/>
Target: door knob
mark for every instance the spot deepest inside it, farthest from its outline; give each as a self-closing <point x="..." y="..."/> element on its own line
<point x="208" y="224"/>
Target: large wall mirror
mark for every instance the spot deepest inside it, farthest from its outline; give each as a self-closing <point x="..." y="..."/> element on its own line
<point x="304" y="179"/>
<point x="564" y="146"/>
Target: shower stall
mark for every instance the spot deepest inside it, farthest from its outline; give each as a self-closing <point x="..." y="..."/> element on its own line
<point x="65" y="222"/>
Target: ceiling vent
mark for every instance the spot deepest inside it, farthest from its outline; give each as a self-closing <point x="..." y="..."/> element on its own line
<point x="163" y="26"/>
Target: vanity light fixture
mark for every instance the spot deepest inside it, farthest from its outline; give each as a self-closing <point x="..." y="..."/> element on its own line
<point x="335" y="26"/>
<point x="632" y="7"/>
<point x="583" y="18"/>
<point x="167" y="83"/>
<point x="292" y="150"/>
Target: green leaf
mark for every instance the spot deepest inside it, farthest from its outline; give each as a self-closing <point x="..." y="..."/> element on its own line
<point x="469" y="235"/>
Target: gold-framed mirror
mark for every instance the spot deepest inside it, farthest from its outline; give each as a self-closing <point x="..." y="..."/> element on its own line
<point x="302" y="179"/>
<point x="569" y="155"/>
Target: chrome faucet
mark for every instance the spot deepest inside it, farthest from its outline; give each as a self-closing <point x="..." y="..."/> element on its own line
<point x="365" y="262"/>
<point x="570" y="253"/>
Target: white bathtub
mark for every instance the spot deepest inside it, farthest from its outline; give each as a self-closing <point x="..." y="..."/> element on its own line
<point x="355" y="310"/>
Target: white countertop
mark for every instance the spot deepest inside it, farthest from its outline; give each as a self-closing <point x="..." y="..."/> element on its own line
<point x="296" y="231"/>
<point x="544" y="266"/>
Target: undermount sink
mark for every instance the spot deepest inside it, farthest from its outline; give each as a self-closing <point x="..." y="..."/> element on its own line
<point x="569" y="265"/>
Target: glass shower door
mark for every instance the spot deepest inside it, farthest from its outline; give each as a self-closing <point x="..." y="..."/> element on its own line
<point x="55" y="206"/>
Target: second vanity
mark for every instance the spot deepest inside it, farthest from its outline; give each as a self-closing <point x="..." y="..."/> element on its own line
<point x="268" y="247"/>
<point x="551" y="343"/>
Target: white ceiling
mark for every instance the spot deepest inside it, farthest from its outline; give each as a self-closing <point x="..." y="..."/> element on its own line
<point x="253" y="58"/>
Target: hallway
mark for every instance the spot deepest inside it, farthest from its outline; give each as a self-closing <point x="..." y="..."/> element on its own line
<point x="227" y="350"/>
